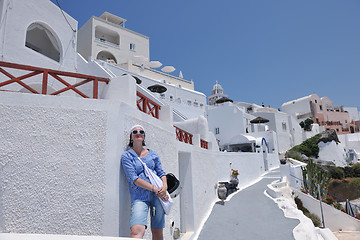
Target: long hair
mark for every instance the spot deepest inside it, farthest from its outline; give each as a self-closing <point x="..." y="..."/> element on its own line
<point x="131" y="142"/>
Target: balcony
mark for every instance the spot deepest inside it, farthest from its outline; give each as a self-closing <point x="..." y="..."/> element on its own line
<point x="107" y="43"/>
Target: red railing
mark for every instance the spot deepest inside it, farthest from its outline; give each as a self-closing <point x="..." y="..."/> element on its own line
<point x="183" y="136"/>
<point x="45" y="75"/>
<point x="204" y="144"/>
<point x="147" y="106"/>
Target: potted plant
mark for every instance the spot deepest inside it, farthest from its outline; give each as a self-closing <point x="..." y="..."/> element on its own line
<point x="234" y="177"/>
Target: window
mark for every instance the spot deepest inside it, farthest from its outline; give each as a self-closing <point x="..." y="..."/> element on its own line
<point x="217" y="130"/>
<point x="315" y="101"/>
<point x="337" y="129"/>
<point x="132" y="47"/>
<point x="41" y="40"/>
<point x="320" y="107"/>
<point x="171" y="98"/>
<point x="284" y="126"/>
<point x="189" y="102"/>
<point x="162" y="95"/>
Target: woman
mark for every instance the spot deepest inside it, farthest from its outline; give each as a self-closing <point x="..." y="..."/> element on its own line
<point x="143" y="194"/>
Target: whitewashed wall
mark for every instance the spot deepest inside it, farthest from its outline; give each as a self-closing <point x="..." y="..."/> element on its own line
<point x="233" y="126"/>
<point x="60" y="165"/>
<point x="298" y="107"/>
<point x="18" y="15"/>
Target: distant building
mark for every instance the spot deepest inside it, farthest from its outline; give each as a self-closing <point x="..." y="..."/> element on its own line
<point x="106" y="38"/>
<point x="217" y="93"/>
<point x="322" y="111"/>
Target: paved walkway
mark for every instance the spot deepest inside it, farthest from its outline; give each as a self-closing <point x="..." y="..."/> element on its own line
<point x="249" y="215"/>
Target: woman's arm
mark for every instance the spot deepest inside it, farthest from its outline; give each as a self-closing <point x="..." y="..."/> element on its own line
<point x="148" y="186"/>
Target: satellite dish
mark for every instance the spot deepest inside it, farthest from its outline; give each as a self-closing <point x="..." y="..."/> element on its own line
<point x="155" y="64"/>
<point x="168" y="69"/>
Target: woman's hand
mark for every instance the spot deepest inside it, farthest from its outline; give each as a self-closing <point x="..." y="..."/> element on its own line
<point x="161" y="193"/>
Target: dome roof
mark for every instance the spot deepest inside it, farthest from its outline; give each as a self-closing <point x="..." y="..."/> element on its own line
<point x="217" y="89"/>
<point x="217" y="86"/>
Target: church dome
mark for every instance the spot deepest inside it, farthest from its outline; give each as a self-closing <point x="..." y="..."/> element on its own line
<point x="217" y="89"/>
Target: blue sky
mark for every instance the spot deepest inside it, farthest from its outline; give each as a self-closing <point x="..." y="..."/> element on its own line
<point x="260" y="51"/>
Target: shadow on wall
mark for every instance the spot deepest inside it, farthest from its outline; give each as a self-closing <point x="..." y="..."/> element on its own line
<point x="124" y="205"/>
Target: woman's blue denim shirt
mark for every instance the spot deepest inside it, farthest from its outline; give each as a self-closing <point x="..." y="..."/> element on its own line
<point x="133" y="170"/>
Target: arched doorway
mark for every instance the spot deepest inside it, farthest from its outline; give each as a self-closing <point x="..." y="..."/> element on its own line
<point x="107" y="57"/>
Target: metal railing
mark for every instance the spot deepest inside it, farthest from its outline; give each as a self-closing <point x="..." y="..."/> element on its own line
<point x="46" y="73"/>
<point x="352" y="206"/>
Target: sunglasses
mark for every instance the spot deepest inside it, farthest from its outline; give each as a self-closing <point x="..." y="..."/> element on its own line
<point x="138" y="131"/>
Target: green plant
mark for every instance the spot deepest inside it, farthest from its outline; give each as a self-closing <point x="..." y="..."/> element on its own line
<point x="314" y="219"/>
<point x="356" y="170"/>
<point x="336" y="172"/>
<point x="306" y="212"/>
<point x="348" y="172"/>
<point x="234" y="172"/>
<point x="294" y="155"/>
<point x="309" y="147"/>
<point x="315" y="176"/>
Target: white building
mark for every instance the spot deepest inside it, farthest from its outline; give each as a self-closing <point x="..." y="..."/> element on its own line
<point x="39" y="38"/>
<point x="60" y="155"/>
<point x="234" y="132"/>
<point x="118" y="50"/>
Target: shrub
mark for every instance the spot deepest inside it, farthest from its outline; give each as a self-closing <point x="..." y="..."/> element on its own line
<point x="348" y="171"/>
<point x="306" y="212"/>
<point x="356" y="170"/>
<point x="336" y="172"/>
<point x="309" y="147"/>
<point x="314" y="219"/>
<point x="294" y="155"/>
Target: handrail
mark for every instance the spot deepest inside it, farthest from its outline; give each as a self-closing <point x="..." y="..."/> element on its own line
<point x="53" y="73"/>
<point x="204" y="144"/>
<point x="183" y="136"/>
<point x="147" y="106"/>
<point x="343" y="200"/>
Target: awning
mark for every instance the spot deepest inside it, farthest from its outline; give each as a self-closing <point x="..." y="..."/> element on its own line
<point x="259" y="120"/>
<point x="223" y="99"/>
<point x="157" y="88"/>
<point x="239" y="139"/>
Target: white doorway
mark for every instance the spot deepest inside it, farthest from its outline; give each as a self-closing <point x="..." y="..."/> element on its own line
<point x="186" y="196"/>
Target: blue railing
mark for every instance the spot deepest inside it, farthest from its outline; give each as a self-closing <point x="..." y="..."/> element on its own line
<point x="352" y="206"/>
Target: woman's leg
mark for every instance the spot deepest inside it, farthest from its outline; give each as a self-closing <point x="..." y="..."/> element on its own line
<point x="157" y="221"/>
<point x="138" y="218"/>
<point x="157" y="234"/>
<point x="137" y="231"/>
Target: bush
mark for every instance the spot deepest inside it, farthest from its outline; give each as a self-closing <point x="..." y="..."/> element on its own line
<point x="294" y="155"/>
<point x="314" y="219"/>
<point x="356" y="170"/>
<point x="306" y="212"/>
<point x="309" y="147"/>
<point x="336" y="172"/>
<point x="348" y="172"/>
